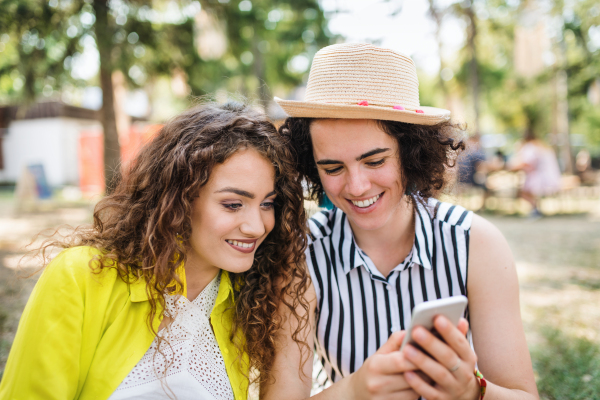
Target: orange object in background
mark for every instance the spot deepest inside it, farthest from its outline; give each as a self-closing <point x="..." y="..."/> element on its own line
<point x="137" y="137"/>
<point x="91" y="163"/>
<point x="91" y="155"/>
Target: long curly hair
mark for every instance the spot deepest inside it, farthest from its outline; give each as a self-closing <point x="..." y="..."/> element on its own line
<point x="144" y="226"/>
<point x="427" y="154"/>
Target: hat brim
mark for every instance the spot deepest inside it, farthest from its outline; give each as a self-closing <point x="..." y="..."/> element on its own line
<point x="301" y="109"/>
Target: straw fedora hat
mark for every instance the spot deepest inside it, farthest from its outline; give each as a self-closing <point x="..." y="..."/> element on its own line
<point x="362" y="81"/>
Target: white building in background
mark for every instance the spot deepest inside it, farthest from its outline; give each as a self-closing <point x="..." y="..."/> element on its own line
<point x="47" y="134"/>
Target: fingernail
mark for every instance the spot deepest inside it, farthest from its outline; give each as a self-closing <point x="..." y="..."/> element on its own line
<point x="419" y="334"/>
<point x="410" y="351"/>
<point x="409" y="374"/>
<point x="442" y="323"/>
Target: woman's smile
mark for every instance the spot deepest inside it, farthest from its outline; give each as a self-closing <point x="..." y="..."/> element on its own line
<point x="242" y="245"/>
<point x="366" y="205"/>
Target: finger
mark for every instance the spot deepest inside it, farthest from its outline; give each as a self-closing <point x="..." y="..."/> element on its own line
<point x="407" y="394"/>
<point x="393" y="343"/>
<point x="455" y="339"/>
<point x="391" y="364"/>
<point x="436" y="371"/>
<point x="463" y="326"/>
<point x="421" y="387"/>
<point x="388" y="384"/>
<point x="436" y="348"/>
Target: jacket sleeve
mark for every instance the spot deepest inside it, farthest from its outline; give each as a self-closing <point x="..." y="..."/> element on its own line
<point x="44" y="361"/>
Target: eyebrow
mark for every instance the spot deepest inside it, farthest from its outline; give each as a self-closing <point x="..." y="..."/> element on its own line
<point x="361" y="157"/>
<point x="242" y="192"/>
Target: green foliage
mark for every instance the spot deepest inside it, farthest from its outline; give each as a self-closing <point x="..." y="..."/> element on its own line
<point x="36" y="45"/>
<point x="568" y="367"/>
<point x="263" y="39"/>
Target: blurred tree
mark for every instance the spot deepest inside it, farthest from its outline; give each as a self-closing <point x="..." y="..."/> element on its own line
<point x="138" y="37"/>
<point x="37" y="44"/>
<point x="270" y="44"/>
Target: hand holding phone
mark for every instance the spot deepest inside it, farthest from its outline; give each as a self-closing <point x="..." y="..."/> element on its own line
<point x="423" y="314"/>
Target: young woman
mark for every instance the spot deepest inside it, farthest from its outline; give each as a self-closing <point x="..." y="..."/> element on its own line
<point x="174" y="290"/>
<point x="362" y="138"/>
<point x="542" y="173"/>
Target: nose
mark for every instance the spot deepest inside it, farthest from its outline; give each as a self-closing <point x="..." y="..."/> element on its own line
<point x="253" y="225"/>
<point x="357" y="182"/>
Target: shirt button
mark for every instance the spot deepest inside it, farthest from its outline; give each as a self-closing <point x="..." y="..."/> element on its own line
<point x="225" y="351"/>
<point x="390" y="287"/>
<point x="394" y="328"/>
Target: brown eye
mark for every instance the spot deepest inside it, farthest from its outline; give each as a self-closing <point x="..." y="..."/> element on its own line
<point x="332" y="171"/>
<point x="376" y="163"/>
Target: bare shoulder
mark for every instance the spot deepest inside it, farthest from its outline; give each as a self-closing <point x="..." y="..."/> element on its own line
<point x="485" y="235"/>
<point x="490" y="258"/>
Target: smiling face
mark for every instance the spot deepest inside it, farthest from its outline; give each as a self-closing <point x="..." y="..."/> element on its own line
<point x="359" y="169"/>
<point x="233" y="213"/>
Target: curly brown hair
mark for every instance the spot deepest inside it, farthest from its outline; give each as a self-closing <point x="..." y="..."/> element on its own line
<point x="426" y="153"/>
<point x="144" y="226"/>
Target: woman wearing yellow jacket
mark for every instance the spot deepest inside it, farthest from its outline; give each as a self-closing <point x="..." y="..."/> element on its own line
<point x="173" y="291"/>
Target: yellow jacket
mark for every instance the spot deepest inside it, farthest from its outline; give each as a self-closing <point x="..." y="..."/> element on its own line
<point x="82" y="332"/>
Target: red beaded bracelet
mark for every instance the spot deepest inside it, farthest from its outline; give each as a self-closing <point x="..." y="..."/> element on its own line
<point x="482" y="383"/>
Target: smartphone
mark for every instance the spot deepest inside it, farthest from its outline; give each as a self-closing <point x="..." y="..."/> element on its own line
<point x="423" y="314"/>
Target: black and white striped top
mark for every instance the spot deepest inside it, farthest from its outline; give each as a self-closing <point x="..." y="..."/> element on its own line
<point x="357" y="307"/>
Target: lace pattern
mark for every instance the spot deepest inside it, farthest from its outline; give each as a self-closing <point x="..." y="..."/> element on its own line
<point x="188" y="345"/>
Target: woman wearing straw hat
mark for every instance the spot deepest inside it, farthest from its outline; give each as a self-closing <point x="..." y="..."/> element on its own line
<point x="362" y="138"/>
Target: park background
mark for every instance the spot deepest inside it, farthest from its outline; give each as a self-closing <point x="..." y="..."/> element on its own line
<point x="83" y="84"/>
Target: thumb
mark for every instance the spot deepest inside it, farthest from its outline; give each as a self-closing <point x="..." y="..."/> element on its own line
<point x="393" y="343"/>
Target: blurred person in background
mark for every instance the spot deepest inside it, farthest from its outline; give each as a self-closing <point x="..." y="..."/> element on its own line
<point x="542" y="173"/>
<point x="174" y="290"/>
<point x="472" y="168"/>
<point x="362" y="138"/>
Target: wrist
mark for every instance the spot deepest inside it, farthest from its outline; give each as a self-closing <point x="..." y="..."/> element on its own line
<point x="352" y="386"/>
<point x="480" y="383"/>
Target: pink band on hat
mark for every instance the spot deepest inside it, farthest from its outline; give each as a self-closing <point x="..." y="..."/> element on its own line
<point x="398" y="107"/>
<point x="363" y="103"/>
<point x="420" y="111"/>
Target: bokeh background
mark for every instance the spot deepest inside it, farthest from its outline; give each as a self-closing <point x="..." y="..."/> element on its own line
<point x="84" y="84"/>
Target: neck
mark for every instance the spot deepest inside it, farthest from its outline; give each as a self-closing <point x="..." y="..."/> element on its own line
<point x="388" y="245"/>
<point x="197" y="276"/>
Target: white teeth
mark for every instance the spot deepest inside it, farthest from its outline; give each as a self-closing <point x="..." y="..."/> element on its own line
<point x="366" y="203"/>
<point x="240" y="244"/>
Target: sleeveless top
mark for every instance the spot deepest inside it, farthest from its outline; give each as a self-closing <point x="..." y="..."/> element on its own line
<point x="357" y="307"/>
<point x="191" y="356"/>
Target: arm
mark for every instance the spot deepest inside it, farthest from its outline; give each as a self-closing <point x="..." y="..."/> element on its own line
<point x="499" y="341"/>
<point x="45" y="355"/>
<point x="496" y="324"/>
<point x="380" y="375"/>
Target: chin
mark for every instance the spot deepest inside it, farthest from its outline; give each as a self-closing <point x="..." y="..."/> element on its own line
<point x="236" y="267"/>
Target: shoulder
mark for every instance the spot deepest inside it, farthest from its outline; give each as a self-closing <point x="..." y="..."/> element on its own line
<point x="490" y="257"/>
<point x="321" y="224"/>
<point x="447" y="213"/>
<point x="485" y="235"/>
<point x="78" y="264"/>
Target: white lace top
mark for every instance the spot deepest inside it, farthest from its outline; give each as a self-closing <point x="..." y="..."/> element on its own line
<point x="195" y="367"/>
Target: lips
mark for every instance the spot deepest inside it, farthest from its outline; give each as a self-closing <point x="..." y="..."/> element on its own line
<point x="242" y="245"/>
<point x="365" y="205"/>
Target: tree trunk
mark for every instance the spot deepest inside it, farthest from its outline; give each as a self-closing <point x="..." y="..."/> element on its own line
<point x="437" y="16"/>
<point x="260" y="73"/>
<point x="112" y="151"/>
<point x="473" y="69"/>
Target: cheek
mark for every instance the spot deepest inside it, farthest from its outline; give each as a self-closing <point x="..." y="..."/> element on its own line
<point x="269" y="222"/>
<point x="331" y="184"/>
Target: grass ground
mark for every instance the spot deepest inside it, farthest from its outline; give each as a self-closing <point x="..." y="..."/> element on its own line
<point x="558" y="261"/>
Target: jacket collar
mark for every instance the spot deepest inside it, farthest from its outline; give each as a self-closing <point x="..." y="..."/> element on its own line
<point x="421" y="252"/>
<point x="138" y="287"/>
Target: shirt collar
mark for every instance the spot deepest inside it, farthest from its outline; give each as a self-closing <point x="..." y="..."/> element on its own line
<point x="421" y="252"/>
